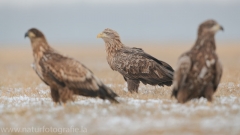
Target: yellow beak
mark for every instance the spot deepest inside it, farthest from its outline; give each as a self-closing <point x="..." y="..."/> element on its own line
<point x="217" y="27"/>
<point x="101" y="35"/>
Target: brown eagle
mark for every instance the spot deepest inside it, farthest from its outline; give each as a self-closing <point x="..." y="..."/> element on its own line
<point x="65" y="76"/>
<point x="134" y="64"/>
<point x="199" y="71"/>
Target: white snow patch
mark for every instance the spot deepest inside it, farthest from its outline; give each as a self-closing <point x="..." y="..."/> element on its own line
<point x="131" y="115"/>
<point x="231" y="85"/>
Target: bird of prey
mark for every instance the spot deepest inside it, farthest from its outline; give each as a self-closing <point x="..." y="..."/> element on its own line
<point x="134" y="64"/>
<point x="65" y="76"/>
<point x="199" y="70"/>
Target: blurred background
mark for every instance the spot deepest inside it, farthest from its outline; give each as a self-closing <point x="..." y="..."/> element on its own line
<point x="163" y="28"/>
<point x="79" y="21"/>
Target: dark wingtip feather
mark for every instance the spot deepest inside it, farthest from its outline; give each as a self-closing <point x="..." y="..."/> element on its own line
<point x="168" y="83"/>
<point x="107" y="93"/>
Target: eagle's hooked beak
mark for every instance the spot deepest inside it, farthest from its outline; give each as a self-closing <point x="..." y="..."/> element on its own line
<point x="26" y="35"/>
<point x="221" y="28"/>
<point x="101" y="35"/>
<point x="216" y="28"/>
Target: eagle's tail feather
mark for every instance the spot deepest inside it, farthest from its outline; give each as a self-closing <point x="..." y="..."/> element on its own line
<point x="103" y="92"/>
<point x="168" y="83"/>
<point x="106" y="93"/>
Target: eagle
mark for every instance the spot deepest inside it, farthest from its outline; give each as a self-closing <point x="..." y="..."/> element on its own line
<point x="199" y="70"/>
<point x="64" y="75"/>
<point x="134" y="64"/>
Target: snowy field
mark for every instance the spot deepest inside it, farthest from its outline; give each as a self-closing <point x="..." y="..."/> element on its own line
<point x="26" y="106"/>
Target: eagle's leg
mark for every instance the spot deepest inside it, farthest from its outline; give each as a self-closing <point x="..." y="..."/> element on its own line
<point x="209" y="92"/>
<point x="55" y="96"/>
<point x="182" y="96"/>
<point x="133" y="85"/>
<point x="65" y="95"/>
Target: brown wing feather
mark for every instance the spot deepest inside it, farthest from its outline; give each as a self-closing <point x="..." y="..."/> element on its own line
<point x="218" y="75"/>
<point x="183" y="67"/>
<point x="39" y="74"/>
<point x="134" y="63"/>
<point x="68" y="72"/>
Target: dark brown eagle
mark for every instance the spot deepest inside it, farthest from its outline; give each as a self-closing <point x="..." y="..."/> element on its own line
<point x="134" y="64"/>
<point x="65" y="76"/>
<point x="199" y="71"/>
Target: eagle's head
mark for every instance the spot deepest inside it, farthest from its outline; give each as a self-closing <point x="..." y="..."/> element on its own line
<point x="209" y="26"/>
<point x="34" y="33"/>
<point x="109" y="34"/>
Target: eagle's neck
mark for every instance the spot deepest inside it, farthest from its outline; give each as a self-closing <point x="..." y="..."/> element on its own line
<point x="39" y="46"/>
<point x="205" y="42"/>
<point x="112" y="46"/>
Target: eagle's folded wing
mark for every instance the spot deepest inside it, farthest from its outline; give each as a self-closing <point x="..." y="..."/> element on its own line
<point x="69" y="72"/>
<point x="183" y="67"/>
<point x="134" y="63"/>
<point x="218" y="75"/>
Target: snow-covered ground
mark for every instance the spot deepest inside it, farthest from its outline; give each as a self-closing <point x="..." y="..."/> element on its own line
<point x="132" y="116"/>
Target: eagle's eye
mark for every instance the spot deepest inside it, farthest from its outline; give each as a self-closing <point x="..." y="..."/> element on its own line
<point x="211" y="24"/>
<point x="107" y="33"/>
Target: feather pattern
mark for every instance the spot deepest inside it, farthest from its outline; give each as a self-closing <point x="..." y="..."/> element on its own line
<point x="198" y="71"/>
<point x="63" y="74"/>
<point x="134" y="64"/>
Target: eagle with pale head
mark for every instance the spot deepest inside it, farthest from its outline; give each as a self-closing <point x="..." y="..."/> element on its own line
<point x="134" y="64"/>
<point x="199" y="70"/>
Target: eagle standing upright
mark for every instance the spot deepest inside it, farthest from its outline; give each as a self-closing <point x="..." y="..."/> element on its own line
<point x="134" y="64"/>
<point x="199" y="71"/>
<point x="65" y="76"/>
